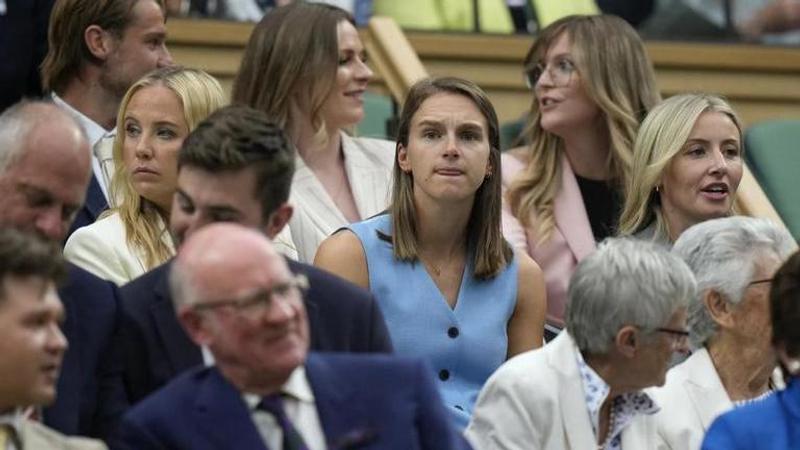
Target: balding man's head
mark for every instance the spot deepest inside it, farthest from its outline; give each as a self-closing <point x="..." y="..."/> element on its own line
<point x="234" y="294"/>
<point x="45" y="165"/>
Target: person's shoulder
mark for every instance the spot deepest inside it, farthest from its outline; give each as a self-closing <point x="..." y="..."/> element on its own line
<point x="378" y="151"/>
<point x="146" y="281"/>
<point x="367" y="365"/>
<point x="84" y="283"/>
<point x="181" y="390"/>
<point x="320" y="279"/>
<point x="106" y="228"/>
<point x="36" y="435"/>
<point x="514" y="161"/>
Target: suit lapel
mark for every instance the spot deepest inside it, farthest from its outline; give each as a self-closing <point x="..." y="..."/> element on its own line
<point x="223" y="416"/>
<point x="570" y="214"/>
<point x="366" y="182"/>
<point x="95" y="201"/>
<point x="574" y="413"/>
<point x="343" y="419"/>
<point x="705" y="389"/>
<point x="181" y="352"/>
<point x="317" y="205"/>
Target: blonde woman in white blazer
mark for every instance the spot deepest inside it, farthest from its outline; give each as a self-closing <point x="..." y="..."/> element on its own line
<point x="305" y="66"/>
<point x="571" y="393"/>
<point x="155" y="116"/>
<point x="733" y="260"/>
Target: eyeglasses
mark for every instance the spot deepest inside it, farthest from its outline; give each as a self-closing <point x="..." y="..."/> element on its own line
<point x="560" y="72"/>
<point x="680" y="338"/>
<point x="261" y="300"/>
<point x="763" y="280"/>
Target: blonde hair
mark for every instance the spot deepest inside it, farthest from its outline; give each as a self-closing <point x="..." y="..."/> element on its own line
<point x="200" y="94"/>
<point x="661" y="137"/>
<point x="291" y="59"/>
<point x="491" y="253"/>
<point x="618" y="76"/>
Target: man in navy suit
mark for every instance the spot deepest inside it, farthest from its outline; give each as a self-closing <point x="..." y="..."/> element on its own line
<point x="44" y="170"/>
<point x="236" y="298"/>
<point x="235" y="167"/>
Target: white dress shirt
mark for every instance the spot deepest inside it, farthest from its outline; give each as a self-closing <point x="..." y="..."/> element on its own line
<point x="300" y="407"/>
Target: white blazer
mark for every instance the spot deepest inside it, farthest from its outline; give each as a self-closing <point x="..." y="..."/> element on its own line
<point x="536" y="401"/>
<point x="368" y="164"/>
<point x="102" y="249"/>
<point x="691" y="398"/>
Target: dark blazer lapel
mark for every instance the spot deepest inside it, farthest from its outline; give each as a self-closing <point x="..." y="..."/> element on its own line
<point x="344" y="419"/>
<point x="95" y="202"/>
<point x="312" y="311"/>
<point x="181" y="352"/>
<point x="222" y="415"/>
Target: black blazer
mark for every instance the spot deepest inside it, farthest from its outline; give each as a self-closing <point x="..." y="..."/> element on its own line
<point x="94" y="204"/>
<point x="86" y="404"/>
<point x="342" y="318"/>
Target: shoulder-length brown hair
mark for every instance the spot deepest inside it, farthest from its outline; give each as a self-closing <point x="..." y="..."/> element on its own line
<point x="290" y="60"/>
<point x="491" y="253"/>
<point x="618" y="76"/>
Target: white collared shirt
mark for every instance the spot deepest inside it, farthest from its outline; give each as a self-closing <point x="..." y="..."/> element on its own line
<point x="624" y="407"/>
<point x="95" y="133"/>
<point x="301" y="408"/>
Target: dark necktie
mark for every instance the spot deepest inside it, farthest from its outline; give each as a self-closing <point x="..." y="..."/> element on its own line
<point x="292" y="440"/>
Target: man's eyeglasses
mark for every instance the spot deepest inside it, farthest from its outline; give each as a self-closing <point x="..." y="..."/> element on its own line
<point x="261" y="300"/>
<point x="560" y="72"/>
<point x="680" y="338"/>
<point x="761" y="281"/>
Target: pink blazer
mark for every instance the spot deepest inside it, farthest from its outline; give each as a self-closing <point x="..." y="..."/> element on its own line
<point x="570" y="241"/>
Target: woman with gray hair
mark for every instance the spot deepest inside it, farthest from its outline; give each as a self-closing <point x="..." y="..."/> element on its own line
<point x="625" y="317"/>
<point x="733" y="260"/>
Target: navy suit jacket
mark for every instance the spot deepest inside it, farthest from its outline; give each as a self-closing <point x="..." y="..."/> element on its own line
<point x="85" y="403"/>
<point x="341" y="316"/>
<point x="363" y="401"/>
<point x="94" y="204"/>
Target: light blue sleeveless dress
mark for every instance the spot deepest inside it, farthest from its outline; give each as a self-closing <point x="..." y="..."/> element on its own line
<point x="463" y="345"/>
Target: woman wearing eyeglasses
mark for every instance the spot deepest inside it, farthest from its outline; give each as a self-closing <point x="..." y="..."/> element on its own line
<point x="593" y="84"/>
<point x="772" y="424"/>
<point x="733" y="260"/>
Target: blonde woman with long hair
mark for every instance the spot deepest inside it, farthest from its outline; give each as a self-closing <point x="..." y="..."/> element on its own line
<point x="687" y="167"/>
<point x="593" y="84"/>
<point x="155" y="116"/>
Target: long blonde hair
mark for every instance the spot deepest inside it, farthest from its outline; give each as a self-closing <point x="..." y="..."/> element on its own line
<point x="618" y="76"/>
<point x="662" y="136"/>
<point x="200" y="94"/>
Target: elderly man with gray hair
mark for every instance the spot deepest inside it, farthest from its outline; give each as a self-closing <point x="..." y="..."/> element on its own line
<point x="733" y="260"/>
<point x="625" y="317"/>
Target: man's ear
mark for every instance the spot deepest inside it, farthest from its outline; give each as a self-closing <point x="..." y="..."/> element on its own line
<point x="627" y="341"/>
<point x="718" y="308"/>
<point x="278" y="220"/>
<point x="99" y="42"/>
<point x="195" y="325"/>
<point x="402" y="159"/>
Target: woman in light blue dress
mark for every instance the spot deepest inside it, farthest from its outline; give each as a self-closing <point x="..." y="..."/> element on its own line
<point x="450" y="287"/>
